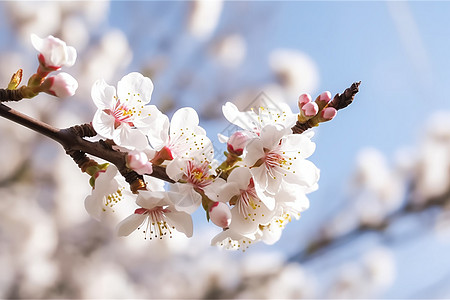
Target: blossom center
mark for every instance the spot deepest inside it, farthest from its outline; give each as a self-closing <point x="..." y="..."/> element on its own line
<point x="114" y="198"/>
<point x="273" y="159"/>
<point x="122" y="113"/>
<point x="198" y="175"/>
<point x="155" y="223"/>
<point x="248" y="201"/>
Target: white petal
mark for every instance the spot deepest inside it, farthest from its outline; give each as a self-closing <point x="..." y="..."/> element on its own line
<point x="295" y="143"/>
<point x="103" y="124"/>
<point x="188" y="200"/>
<point x="158" y="133"/>
<point x="213" y="188"/>
<point x="135" y="88"/>
<point x="150" y="199"/>
<point x="271" y="135"/>
<point x="232" y="240"/>
<point x="92" y="205"/>
<point x="71" y="56"/>
<point x="130" y="224"/>
<point x="228" y="191"/>
<point x="250" y="224"/>
<point x="175" y="168"/>
<point x="240" y="176"/>
<point x="267" y="199"/>
<point x="271" y="234"/>
<point x="147" y="117"/>
<point x="245" y="120"/>
<point x="126" y="136"/>
<point x="306" y="173"/>
<point x="182" y="222"/>
<point x="37" y="42"/>
<point x="254" y="152"/>
<point x="103" y="95"/>
<point x="154" y="184"/>
<point x="274" y="183"/>
<point x="106" y="182"/>
<point x="183" y="119"/>
<point x="260" y="176"/>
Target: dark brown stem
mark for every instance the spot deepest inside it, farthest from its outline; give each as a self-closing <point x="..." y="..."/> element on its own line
<point x="77" y="147"/>
<point x="10" y="95"/>
<point x="339" y="101"/>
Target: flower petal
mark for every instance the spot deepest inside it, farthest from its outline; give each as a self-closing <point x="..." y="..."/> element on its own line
<point x="228" y="191"/>
<point x="298" y="143"/>
<point x="212" y="189"/>
<point x="188" y="200"/>
<point x="135" y="88"/>
<point x="103" y="95"/>
<point x="240" y="176"/>
<point x="130" y="224"/>
<point x="184" y="119"/>
<point x="181" y="221"/>
<point x="175" y="168"/>
<point x="103" y="124"/>
<point x="126" y="136"/>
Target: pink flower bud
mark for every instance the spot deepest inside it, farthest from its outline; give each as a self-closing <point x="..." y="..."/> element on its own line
<point x="138" y="161"/>
<point x="53" y="52"/>
<point x="237" y="142"/>
<point x="310" y="109"/>
<point x="325" y="96"/>
<point x="328" y="113"/>
<point x="220" y="214"/>
<point x="303" y="99"/>
<point x="61" y="85"/>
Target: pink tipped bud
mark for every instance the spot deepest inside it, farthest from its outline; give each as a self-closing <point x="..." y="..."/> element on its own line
<point x="138" y="161"/>
<point x="303" y="99"/>
<point x="328" y="113"/>
<point x="220" y="214"/>
<point x="61" y="85"/>
<point x="325" y="96"/>
<point x="236" y="143"/>
<point x="53" y="52"/>
<point x="310" y="109"/>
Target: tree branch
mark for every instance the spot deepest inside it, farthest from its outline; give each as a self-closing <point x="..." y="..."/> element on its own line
<point x="77" y="147"/>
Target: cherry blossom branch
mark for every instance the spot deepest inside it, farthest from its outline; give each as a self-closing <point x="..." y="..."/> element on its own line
<point x="72" y="140"/>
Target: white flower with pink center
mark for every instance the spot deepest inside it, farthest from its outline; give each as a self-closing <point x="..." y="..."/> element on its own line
<point x="179" y="138"/>
<point x="124" y="116"/>
<point x="249" y="210"/>
<point x="276" y="157"/>
<point x="195" y="178"/>
<point x="157" y="217"/>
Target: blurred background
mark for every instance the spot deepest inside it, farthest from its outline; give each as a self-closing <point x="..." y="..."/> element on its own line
<point x="379" y="225"/>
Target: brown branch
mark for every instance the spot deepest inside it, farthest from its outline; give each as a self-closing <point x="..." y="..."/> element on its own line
<point x="10" y="95"/>
<point x="77" y="147"/>
<point x="339" y="101"/>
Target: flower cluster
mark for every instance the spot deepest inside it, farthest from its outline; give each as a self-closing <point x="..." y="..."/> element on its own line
<point x="260" y="186"/>
<point x="252" y="195"/>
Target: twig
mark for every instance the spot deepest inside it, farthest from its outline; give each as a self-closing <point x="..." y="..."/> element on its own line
<point x="77" y="147"/>
<point x="339" y="101"/>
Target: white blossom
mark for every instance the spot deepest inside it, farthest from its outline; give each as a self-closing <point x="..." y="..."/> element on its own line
<point x="120" y="114"/>
<point x="158" y="217"/>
